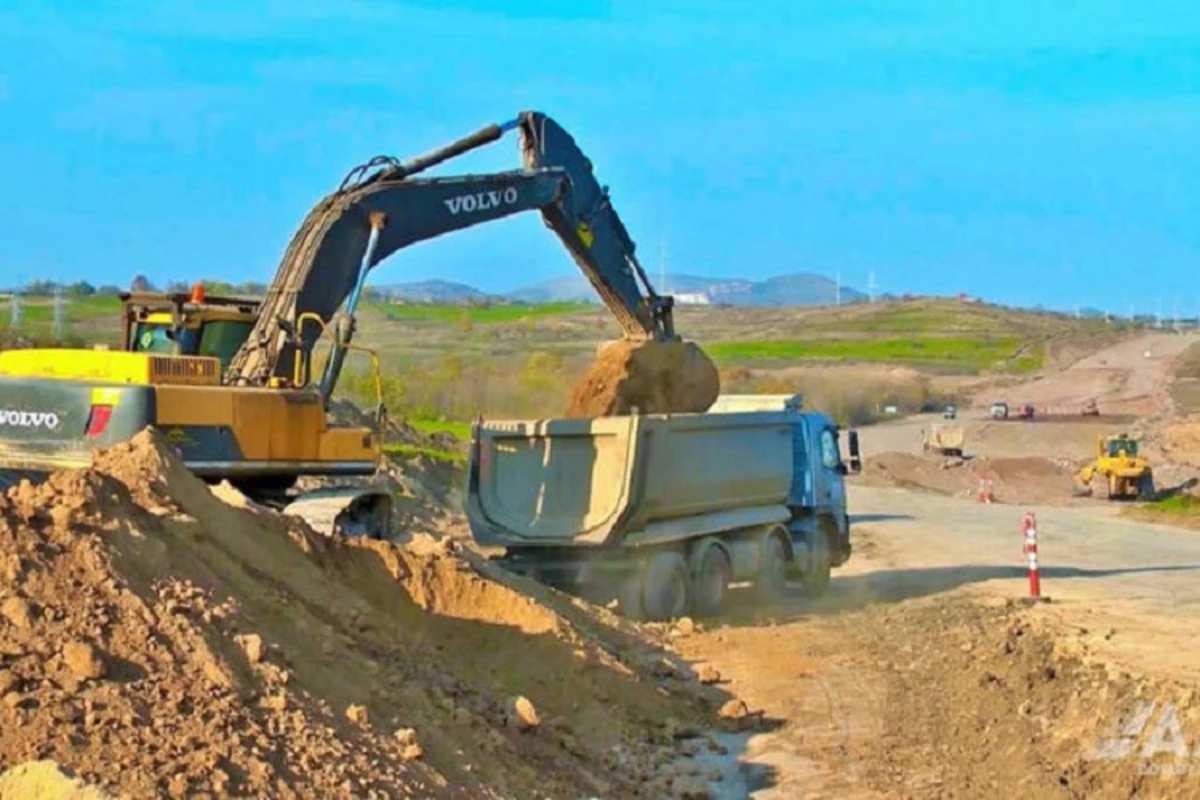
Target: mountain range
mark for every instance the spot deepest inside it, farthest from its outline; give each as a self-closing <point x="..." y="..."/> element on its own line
<point x="794" y="289"/>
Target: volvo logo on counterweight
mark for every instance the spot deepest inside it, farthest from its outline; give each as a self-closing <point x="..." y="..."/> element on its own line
<point x="29" y="419"/>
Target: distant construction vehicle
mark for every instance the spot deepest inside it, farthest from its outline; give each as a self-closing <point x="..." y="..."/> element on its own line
<point x="944" y="439"/>
<point x="1117" y="471"/>
<point x="999" y="410"/>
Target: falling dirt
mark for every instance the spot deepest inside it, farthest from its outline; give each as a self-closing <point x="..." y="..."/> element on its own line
<point x="1010" y="480"/>
<point x="654" y="377"/>
<point x="157" y="640"/>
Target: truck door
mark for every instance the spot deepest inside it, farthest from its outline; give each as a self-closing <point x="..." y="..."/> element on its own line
<point x="831" y="491"/>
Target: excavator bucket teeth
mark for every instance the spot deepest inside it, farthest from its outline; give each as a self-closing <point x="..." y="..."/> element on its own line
<point x="346" y="511"/>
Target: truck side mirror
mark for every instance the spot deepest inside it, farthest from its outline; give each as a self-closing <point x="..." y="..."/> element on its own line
<point x="855" y="453"/>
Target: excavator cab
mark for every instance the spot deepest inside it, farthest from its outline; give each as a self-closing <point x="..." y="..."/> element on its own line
<point x="1120" y="447"/>
<point x="190" y="324"/>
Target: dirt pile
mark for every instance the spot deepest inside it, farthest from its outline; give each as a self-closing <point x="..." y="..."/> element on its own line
<point x="993" y="700"/>
<point x="1011" y="480"/>
<point x="156" y="640"/>
<point x="655" y="377"/>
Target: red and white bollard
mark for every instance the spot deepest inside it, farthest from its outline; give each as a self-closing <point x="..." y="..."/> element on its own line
<point x="1029" y="528"/>
<point x="986" y="495"/>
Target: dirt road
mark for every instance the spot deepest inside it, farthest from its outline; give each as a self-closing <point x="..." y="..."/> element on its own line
<point x="1120" y="378"/>
<point x="914" y="677"/>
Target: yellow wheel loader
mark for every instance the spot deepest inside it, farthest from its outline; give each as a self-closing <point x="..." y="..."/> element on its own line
<point x="230" y="380"/>
<point x="1117" y="471"/>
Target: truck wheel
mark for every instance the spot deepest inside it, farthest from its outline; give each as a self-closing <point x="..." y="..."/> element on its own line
<point x="710" y="579"/>
<point x="666" y="586"/>
<point x="773" y="567"/>
<point x="815" y="579"/>
<point x="629" y="595"/>
<point x="1146" y="487"/>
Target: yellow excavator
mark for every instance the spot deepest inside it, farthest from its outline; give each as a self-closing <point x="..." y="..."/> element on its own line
<point x="230" y="380"/>
<point x="1117" y="471"/>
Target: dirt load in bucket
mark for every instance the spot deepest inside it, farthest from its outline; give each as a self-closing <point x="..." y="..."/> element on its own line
<point x="654" y="377"/>
<point x="161" y="638"/>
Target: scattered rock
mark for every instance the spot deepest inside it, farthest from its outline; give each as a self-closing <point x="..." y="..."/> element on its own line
<point x="18" y="612"/>
<point x="357" y="714"/>
<point x="674" y="729"/>
<point x="252" y="646"/>
<point x="521" y="714"/>
<point x="708" y="674"/>
<point x="84" y="660"/>
<point x="734" y="709"/>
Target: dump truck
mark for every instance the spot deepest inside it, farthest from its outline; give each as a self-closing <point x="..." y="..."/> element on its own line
<point x="944" y="439"/>
<point x="1117" y="471"/>
<point x="663" y="512"/>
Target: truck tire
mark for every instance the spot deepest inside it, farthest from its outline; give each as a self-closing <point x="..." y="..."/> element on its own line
<point x="815" y="579"/>
<point x="1145" y="489"/>
<point x="629" y="594"/>
<point x="666" y="586"/>
<point x="774" y="563"/>
<point x="711" y="573"/>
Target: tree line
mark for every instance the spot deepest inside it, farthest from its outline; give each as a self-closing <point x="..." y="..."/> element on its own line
<point x="141" y="283"/>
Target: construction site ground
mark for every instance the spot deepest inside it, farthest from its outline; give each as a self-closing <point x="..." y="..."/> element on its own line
<point x="158" y="638"/>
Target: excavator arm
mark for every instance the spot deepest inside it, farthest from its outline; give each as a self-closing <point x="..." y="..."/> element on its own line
<point x="375" y="213"/>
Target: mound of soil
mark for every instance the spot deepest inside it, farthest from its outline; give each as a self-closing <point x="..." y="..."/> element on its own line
<point x="1013" y="480"/>
<point x="994" y="701"/>
<point x="157" y="640"/>
<point x="655" y="377"/>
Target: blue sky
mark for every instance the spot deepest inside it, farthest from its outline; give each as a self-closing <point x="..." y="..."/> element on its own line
<point x="1030" y="152"/>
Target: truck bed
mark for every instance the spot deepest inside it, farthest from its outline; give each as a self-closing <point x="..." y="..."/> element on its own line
<point x="627" y="480"/>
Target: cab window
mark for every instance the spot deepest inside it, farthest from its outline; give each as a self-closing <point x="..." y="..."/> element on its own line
<point x="149" y="338"/>
<point x="223" y="339"/>
<point x="1116" y="446"/>
<point x="830" y="457"/>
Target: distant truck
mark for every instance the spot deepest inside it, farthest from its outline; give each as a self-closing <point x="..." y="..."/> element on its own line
<point x="999" y="410"/>
<point x="664" y="512"/>
<point x="944" y="439"/>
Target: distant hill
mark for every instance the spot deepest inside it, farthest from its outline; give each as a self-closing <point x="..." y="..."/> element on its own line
<point x="796" y="289"/>
<point x="432" y="291"/>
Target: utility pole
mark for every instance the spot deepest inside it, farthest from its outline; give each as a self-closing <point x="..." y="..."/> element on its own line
<point x="58" y="313"/>
<point x="837" y="289"/>
<point x="14" y="314"/>
<point x="662" y="265"/>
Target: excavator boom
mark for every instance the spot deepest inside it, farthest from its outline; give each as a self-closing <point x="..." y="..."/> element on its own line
<point x="374" y="214"/>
